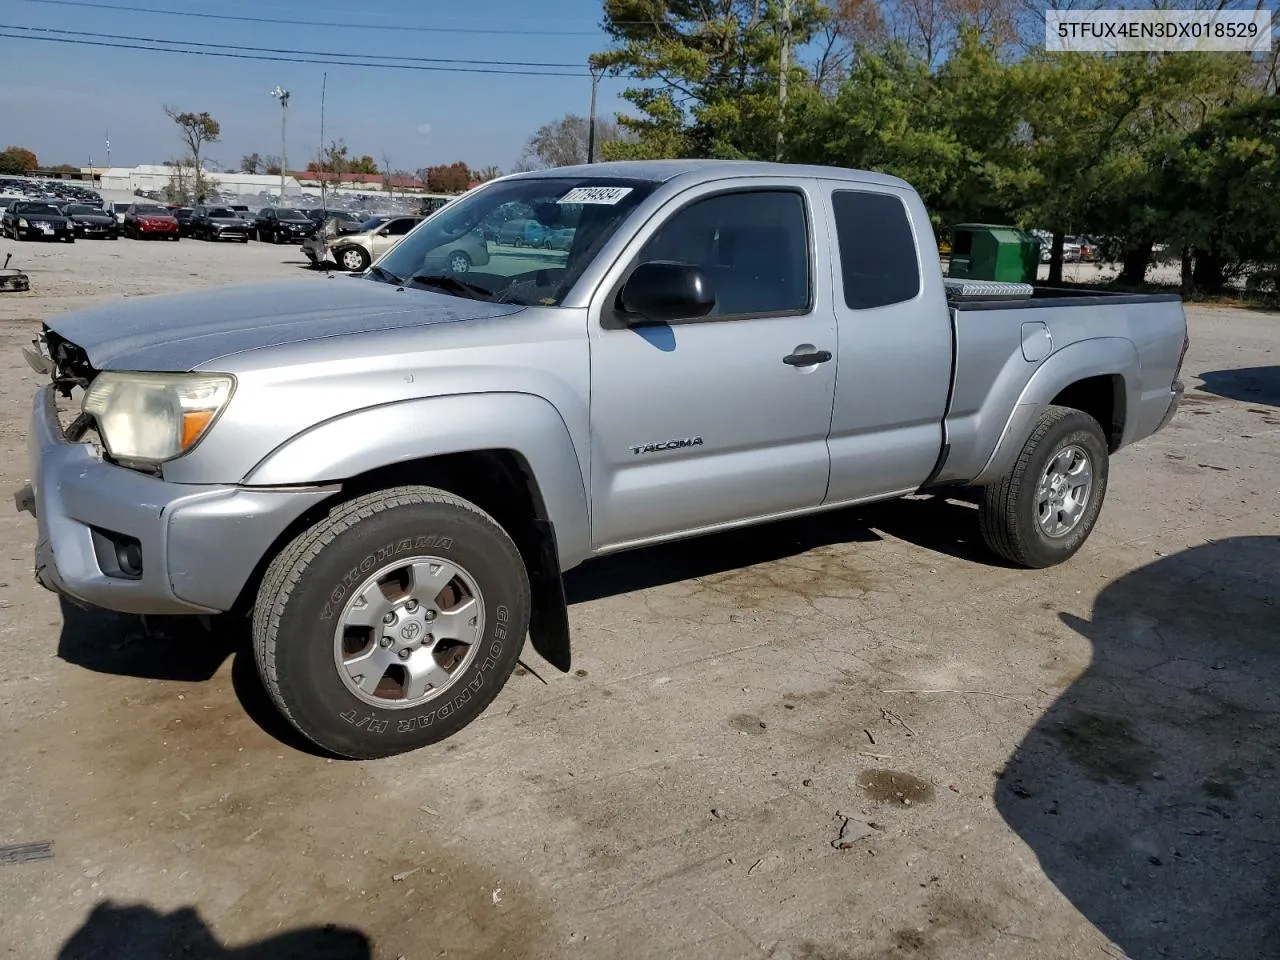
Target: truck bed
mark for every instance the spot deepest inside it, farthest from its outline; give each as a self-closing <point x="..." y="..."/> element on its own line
<point x="1012" y="356"/>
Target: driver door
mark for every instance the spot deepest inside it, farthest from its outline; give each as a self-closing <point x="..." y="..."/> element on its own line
<point x="698" y="424"/>
<point x="390" y="235"/>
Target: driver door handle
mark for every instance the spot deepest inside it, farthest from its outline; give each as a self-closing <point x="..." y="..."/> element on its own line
<point x="807" y="359"/>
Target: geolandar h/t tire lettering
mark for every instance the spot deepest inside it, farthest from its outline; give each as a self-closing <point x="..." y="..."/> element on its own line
<point x="1043" y="510"/>
<point x="392" y="623"/>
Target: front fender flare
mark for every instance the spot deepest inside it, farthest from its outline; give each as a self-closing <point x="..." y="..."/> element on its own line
<point x="1104" y="356"/>
<point x="392" y="433"/>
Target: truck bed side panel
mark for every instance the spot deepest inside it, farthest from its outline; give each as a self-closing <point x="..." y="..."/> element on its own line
<point x="1000" y="389"/>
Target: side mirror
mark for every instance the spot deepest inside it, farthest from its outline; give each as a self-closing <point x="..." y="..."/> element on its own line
<point x="662" y="290"/>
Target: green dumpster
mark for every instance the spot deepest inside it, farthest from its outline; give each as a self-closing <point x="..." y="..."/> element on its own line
<point x="985" y="251"/>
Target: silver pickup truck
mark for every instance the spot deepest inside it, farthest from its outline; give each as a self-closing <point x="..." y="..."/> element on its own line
<point x="390" y="471"/>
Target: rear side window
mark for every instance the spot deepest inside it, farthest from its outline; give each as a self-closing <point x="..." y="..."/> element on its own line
<point x="877" y="251"/>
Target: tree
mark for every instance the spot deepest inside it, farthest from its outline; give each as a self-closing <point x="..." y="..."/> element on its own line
<point x="271" y="165"/>
<point x="252" y="163"/>
<point x="197" y="130"/>
<point x="335" y="158"/>
<point x="447" y="178"/>
<point x="485" y="174"/>
<point x="564" y="142"/>
<point x="18" y="160"/>
<point x="710" y="72"/>
<point x="365" y="164"/>
<point x="1223" y="186"/>
<point x="184" y="185"/>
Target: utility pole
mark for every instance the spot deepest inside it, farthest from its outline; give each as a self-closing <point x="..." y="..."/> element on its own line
<point x="283" y="96"/>
<point x="324" y="193"/>
<point x="591" y="126"/>
<point x="784" y="67"/>
<point x="108" y="132"/>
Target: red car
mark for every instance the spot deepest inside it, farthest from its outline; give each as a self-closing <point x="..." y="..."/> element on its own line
<point x="145" y="220"/>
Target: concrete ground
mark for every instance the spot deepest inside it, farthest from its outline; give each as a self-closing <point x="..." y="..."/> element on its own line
<point x="1073" y="763"/>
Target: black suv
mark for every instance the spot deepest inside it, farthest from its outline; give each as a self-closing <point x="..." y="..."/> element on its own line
<point x="282" y="225"/>
<point x="218" y="223"/>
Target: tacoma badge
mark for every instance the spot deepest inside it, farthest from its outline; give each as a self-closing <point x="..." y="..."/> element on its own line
<point x="667" y="445"/>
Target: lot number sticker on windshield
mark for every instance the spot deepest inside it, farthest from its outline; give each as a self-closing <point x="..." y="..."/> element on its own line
<point x="604" y="195"/>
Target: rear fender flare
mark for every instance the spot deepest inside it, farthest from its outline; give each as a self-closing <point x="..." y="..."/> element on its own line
<point x="1104" y="356"/>
<point x="393" y="433"/>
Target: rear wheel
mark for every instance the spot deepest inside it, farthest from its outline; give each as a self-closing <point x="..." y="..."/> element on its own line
<point x="392" y="623"/>
<point x="1042" y="511"/>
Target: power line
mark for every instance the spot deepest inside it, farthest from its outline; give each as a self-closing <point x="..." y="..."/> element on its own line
<point x="305" y="53"/>
<point x="398" y="28"/>
<point x="279" y="59"/>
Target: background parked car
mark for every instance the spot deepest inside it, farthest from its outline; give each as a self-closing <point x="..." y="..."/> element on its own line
<point x="150" y="220"/>
<point x="118" y="210"/>
<point x="282" y="225"/>
<point x="522" y="233"/>
<point x="183" y="216"/>
<point x="559" y="238"/>
<point x="219" y="223"/>
<point x="356" y="251"/>
<point x="35" y="220"/>
<point x="90" y="221"/>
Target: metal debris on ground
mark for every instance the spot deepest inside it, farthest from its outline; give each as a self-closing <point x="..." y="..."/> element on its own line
<point x="12" y="280"/>
<point x="851" y="831"/>
<point x="404" y="874"/>
<point x="24" y="852"/>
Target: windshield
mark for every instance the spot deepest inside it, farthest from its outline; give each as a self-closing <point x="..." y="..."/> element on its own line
<point x="44" y="209"/>
<point x="373" y="223"/>
<point x="150" y="209"/>
<point x="518" y="241"/>
<point x="289" y="215"/>
<point x="80" y="210"/>
<point x="223" y="213"/>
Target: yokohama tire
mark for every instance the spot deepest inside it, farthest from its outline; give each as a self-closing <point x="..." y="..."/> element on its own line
<point x="1010" y="509"/>
<point x="314" y="579"/>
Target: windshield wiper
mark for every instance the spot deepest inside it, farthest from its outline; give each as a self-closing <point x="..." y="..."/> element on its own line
<point x="386" y="276"/>
<point x="450" y="283"/>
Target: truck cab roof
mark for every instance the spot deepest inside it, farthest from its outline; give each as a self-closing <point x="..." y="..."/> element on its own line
<point x="663" y="171"/>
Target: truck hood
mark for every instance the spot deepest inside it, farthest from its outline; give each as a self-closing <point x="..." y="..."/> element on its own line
<point x="183" y="331"/>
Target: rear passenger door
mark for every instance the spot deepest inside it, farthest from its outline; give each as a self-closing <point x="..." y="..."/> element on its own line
<point x="712" y="421"/>
<point x="894" y="343"/>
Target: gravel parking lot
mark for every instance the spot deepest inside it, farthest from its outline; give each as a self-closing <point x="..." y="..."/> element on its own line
<point x="1079" y="762"/>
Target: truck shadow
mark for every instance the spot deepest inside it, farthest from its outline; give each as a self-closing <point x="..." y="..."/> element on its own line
<point x="1150" y="791"/>
<point x="180" y="649"/>
<point x="177" y="649"/>
<point x="1248" y="384"/>
<point x="942" y="522"/>
<point x="113" y="932"/>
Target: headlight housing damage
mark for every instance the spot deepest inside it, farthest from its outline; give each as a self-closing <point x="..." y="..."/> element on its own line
<point x="153" y="417"/>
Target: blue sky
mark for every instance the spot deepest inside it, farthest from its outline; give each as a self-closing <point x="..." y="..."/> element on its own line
<point x="60" y="99"/>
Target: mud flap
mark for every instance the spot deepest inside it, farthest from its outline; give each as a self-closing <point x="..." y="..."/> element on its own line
<point x="549" y="616"/>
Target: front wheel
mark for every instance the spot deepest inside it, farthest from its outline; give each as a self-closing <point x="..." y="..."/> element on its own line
<point x="459" y="262"/>
<point x="393" y="623"/>
<point x="354" y="259"/>
<point x="1042" y="511"/>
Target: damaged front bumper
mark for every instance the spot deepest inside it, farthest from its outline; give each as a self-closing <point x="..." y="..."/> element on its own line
<point x="121" y="540"/>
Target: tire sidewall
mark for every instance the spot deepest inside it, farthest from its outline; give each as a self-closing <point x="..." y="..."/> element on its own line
<point x="1082" y="430"/>
<point x="317" y="698"/>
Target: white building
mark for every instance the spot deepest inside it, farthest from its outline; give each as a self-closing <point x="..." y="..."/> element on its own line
<point x="150" y="177"/>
